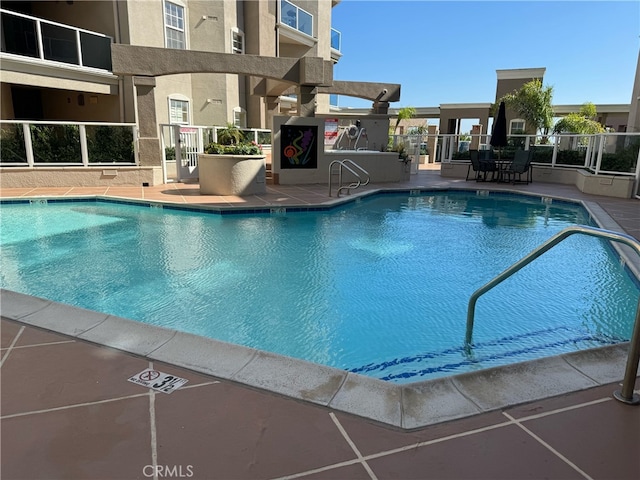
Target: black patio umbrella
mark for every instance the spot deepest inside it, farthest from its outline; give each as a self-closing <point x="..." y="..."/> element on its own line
<point x="499" y="130"/>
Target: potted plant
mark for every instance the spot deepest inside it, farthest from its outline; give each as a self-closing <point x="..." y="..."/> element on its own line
<point x="232" y="166"/>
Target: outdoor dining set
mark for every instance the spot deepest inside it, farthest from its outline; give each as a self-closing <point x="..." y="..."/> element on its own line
<point x="513" y="170"/>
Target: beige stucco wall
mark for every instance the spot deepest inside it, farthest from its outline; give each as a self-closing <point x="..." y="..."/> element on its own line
<point x="11" y="177"/>
<point x="381" y="166"/>
<point x="6" y="105"/>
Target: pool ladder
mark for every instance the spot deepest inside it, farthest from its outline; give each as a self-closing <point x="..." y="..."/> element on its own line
<point x="626" y="394"/>
<point x="362" y="176"/>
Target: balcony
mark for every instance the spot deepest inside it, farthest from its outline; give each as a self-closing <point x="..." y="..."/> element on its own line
<point x="296" y="25"/>
<point x="37" y="40"/>
<point x="336" y="42"/>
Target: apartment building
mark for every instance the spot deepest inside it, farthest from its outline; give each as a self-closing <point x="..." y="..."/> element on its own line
<point x="56" y="57"/>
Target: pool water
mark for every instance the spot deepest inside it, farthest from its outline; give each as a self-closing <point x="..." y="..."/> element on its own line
<point x="379" y="286"/>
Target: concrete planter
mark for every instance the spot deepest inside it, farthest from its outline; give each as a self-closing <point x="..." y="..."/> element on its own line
<point x="232" y="174"/>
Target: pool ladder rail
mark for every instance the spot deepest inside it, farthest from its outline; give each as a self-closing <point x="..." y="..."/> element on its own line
<point x="362" y="176"/>
<point x="624" y="395"/>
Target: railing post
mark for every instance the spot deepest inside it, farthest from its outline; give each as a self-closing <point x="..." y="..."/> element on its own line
<point x="79" y="48"/>
<point x="626" y="394"/>
<point x="39" y="39"/>
<point x="600" y="150"/>
<point x="28" y="144"/>
<point x="554" y="156"/>
<point x="84" y="151"/>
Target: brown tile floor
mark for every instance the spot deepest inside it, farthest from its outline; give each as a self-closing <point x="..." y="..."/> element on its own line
<point x="68" y="411"/>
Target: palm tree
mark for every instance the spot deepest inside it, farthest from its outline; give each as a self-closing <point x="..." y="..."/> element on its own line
<point x="405" y="113"/>
<point x="230" y="135"/>
<point x="533" y="103"/>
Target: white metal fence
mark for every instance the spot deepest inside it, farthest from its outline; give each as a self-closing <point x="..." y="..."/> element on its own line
<point x="181" y="164"/>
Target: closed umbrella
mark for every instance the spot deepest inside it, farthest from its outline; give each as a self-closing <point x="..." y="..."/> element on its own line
<point x="499" y="130"/>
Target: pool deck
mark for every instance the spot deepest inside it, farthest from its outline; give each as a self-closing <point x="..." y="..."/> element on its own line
<point x="68" y="411"/>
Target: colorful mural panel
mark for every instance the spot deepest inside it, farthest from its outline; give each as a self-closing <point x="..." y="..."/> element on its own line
<point x="299" y="146"/>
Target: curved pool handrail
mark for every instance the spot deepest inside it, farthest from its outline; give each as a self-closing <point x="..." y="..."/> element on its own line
<point x="351" y="162"/>
<point x="626" y="394"/>
<point x="343" y="165"/>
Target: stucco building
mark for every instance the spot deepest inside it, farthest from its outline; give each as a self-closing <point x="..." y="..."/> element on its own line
<point x="57" y="62"/>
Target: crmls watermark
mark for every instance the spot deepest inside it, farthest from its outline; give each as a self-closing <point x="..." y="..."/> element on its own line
<point x="168" y="471"/>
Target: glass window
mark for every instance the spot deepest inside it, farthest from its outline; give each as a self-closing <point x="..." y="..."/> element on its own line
<point x="517" y="126"/>
<point x="178" y="111"/>
<point x="237" y="41"/>
<point x="296" y="17"/>
<point x="174" y="25"/>
<point x="239" y="117"/>
<point x="336" y="38"/>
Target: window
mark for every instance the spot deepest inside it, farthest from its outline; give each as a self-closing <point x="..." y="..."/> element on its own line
<point x="516" y="126"/>
<point x="174" y="26"/>
<point x="239" y="117"/>
<point x="237" y="41"/>
<point x="296" y="17"/>
<point x="178" y="111"/>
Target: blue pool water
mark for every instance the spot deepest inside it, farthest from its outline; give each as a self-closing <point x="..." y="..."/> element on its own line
<point x="379" y="286"/>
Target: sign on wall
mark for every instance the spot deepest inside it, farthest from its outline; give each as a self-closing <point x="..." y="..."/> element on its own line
<point x="298" y="146"/>
<point x="330" y="131"/>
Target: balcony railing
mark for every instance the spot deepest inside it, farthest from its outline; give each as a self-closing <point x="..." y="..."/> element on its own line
<point x="33" y="37"/>
<point x="44" y="144"/>
<point x="295" y="17"/>
<point x="336" y="39"/>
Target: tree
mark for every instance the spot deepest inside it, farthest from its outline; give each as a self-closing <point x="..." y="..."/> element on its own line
<point x="533" y="103"/>
<point x="581" y="122"/>
<point x="405" y="113"/>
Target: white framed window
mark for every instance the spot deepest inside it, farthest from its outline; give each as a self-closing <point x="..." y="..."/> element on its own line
<point x="239" y="117"/>
<point x="237" y="41"/>
<point x="516" y="126"/>
<point x="174" y="33"/>
<point x="178" y="111"/>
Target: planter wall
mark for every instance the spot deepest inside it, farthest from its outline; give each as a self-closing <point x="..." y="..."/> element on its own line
<point x="232" y="174"/>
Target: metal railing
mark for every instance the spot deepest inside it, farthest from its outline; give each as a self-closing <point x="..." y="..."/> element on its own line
<point x="603" y="153"/>
<point x="295" y="17"/>
<point x="48" y="143"/>
<point x="27" y="36"/>
<point x="626" y="394"/>
<point x="344" y="164"/>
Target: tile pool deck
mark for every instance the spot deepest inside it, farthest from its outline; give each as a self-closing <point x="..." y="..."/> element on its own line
<point x="69" y="412"/>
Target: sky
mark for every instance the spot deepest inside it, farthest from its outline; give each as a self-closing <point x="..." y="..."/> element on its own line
<point x="449" y="51"/>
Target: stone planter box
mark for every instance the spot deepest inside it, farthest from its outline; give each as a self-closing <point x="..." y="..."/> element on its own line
<point x="232" y="174"/>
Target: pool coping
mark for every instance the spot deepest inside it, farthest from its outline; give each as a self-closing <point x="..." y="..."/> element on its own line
<point x="406" y="406"/>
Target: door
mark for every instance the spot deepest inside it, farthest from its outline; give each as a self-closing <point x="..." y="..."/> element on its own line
<point x="189" y="144"/>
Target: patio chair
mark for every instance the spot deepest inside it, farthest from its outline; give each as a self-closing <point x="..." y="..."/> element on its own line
<point x="481" y="166"/>
<point x="521" y="165"/>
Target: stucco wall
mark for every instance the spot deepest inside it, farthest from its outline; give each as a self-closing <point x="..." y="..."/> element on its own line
<point x="11" y="177"/>
<point x="381" y="166"/>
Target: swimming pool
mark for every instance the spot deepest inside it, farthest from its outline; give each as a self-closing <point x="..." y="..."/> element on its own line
<point x="377" y="287"/>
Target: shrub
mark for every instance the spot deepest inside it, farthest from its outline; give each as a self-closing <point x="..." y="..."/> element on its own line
<point x="109" y="144"/>
<point x="234" y="149"/>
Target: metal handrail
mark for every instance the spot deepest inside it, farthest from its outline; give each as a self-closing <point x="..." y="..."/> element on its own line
<point x="624" y="395"/>
<point x="348" y="160"/>
<point x="343" y="164"/>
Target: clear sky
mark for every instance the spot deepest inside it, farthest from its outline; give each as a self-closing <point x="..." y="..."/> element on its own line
<point x="449" y="51"/>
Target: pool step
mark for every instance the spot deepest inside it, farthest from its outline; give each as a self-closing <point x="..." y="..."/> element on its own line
<point x="268" y="174"/>
<point x="517" y="348"/>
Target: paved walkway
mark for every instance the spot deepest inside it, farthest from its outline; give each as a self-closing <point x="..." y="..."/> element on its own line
<point x="68" y="411"/>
